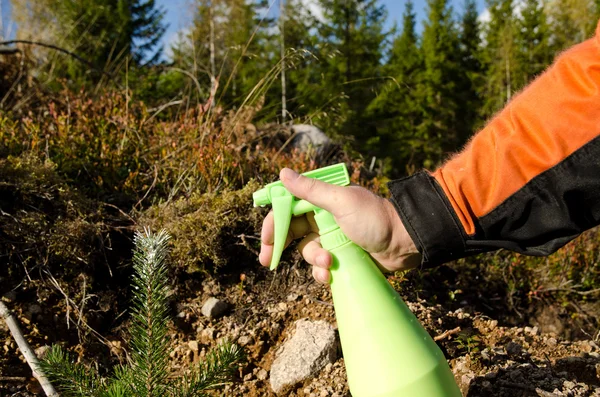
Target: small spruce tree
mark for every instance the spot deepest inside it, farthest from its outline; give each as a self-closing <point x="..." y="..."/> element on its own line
<point x="147" y="372"/>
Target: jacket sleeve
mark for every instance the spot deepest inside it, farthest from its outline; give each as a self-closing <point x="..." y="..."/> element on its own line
<point x="528" y="182"/>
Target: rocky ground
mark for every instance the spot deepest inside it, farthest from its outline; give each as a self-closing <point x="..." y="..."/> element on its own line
<point x="278" y="319"/>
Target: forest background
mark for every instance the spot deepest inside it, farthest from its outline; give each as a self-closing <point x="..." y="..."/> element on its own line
<point x="404" y="94"/>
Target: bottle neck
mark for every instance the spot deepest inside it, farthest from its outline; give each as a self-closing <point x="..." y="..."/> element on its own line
<point x="331" y="234"/>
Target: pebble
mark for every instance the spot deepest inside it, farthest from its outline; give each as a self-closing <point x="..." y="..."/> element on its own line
<point x="262" y="374"/>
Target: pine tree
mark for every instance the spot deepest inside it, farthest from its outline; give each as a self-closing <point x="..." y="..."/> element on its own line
<point x="144" y="31"/>
<point x="394" y="111"/>
<point x="499" y="57"/>
<point x="533" y="51"/>
<point x="572" y="22"/>
<point x="107" y="33"/>
<point x="437" y="94"/>
<point x="304" y="79"/>
<point x="471" y="73"/>
<point x="147" y="374"/>
<point x="224" y="43"/>
<point x="353" y="41"/>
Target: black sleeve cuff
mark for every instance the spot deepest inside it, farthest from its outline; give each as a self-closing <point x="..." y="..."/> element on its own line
<point x="429" y="218"/>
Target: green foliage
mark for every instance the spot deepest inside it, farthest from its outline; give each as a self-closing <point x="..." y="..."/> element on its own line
<point x="572" y="21"/>
<point x="149" y="342"/>
<point x="438" y="99"/>
<point x="114" y="149"/>
<point x="239" y="49"/>
<point x="499" y="56"/>
<point x="107" y="33"/>
<point x="395" y="112"/>
<point x="147" y="374"/>
<point x="533" y="35"/>
<point x="472" y="74"/>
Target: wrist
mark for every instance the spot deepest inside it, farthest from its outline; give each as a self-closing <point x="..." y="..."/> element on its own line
<point x="402" y="247"/>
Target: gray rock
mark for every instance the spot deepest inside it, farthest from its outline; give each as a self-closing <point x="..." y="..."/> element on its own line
<point x="214" y="307"/>
<point x="310" y="349"/>
<point x="307" y="136"/>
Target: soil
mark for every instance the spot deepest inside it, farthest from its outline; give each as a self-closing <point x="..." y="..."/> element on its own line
<point x="488" y="358"/>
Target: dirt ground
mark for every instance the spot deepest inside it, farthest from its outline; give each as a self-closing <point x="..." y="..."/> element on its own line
<point x="488" y="359"/>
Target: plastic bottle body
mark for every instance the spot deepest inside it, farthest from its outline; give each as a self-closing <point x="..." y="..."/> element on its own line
<point x="387" y="352"/>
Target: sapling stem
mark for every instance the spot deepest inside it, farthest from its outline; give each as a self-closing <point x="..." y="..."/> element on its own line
<point x="30" y="356"/>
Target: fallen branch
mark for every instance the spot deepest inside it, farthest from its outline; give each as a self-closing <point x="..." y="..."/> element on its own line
<point x="59" y="49"/>
<point x="447" y="334"/>
<point x="32" y="360"/>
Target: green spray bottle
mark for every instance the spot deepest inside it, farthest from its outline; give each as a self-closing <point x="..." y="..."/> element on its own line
<point x="387" y="352"/>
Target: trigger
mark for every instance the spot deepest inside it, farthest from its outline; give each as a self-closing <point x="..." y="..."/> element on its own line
<point x="282" y="215"/>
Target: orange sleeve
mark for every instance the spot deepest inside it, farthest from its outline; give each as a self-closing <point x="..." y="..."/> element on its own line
<point x="521" y="180"/>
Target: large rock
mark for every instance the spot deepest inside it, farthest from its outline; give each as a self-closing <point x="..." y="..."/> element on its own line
<point x="312" y="346"/>
<point x="307" y="137"/>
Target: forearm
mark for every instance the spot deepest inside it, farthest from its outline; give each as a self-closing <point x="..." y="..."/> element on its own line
<point x="528" y="182"/>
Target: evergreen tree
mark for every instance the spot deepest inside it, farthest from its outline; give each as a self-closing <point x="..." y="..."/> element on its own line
<point x="471" y="73"/>
<point x="224" y="43"/>
<point x="104" y="32"/>
<point x="353" y="42"/>
<point x="499" y="57"/>
<point x="532" y="42"/>
<point x="394" y="111"/>
<point x="304" y="77"/>
<point x="573" y="21"/>
<point x="147" y="373"/>
<point x="438" y="92"/>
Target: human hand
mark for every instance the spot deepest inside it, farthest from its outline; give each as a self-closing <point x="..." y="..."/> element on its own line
<point x="368" y="220"/>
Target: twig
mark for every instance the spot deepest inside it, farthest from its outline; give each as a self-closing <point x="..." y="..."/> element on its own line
<point x="13" y="379"/>
<point x="70" y="303"/>
<point x="570" y="290"/>
<point x="9" y="51"/>
<point x="244" y="243"/>
<point x="32" y="360"/>
<point x="59" y="49"/>
<point x="446" y="334"/>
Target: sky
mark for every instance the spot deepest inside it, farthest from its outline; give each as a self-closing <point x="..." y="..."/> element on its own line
<point x="179" y="14"/>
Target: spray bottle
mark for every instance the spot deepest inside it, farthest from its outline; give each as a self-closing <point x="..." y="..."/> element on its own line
<point x="387" y="352"/>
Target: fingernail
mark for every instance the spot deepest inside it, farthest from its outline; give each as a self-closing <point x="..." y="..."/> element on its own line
<point x="288" y="174"/>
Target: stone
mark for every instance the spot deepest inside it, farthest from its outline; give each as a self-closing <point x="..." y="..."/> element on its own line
<point x="306" y="137"/>
<point x="42" y="351"/>
<point x="193" y="345"/>
<point x="214" y="307"/>
<point x="312" y="346"/>
<point x="262" y="374"/>
<point x="513" y="349"/>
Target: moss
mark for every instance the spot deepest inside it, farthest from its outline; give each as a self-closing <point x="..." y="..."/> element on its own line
<point x="207" y="228"/>
<point x="45" y="222"/>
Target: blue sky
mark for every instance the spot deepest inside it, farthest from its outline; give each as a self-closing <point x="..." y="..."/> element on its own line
<point x="179" y="13"/>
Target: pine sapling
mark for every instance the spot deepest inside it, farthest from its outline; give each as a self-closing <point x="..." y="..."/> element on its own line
<point x="147" y="373"/>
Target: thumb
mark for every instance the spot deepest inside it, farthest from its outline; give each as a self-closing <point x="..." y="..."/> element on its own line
<point x="321" y="194"/>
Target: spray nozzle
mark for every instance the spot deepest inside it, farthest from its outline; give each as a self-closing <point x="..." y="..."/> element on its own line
<point x="285" y="205"/>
